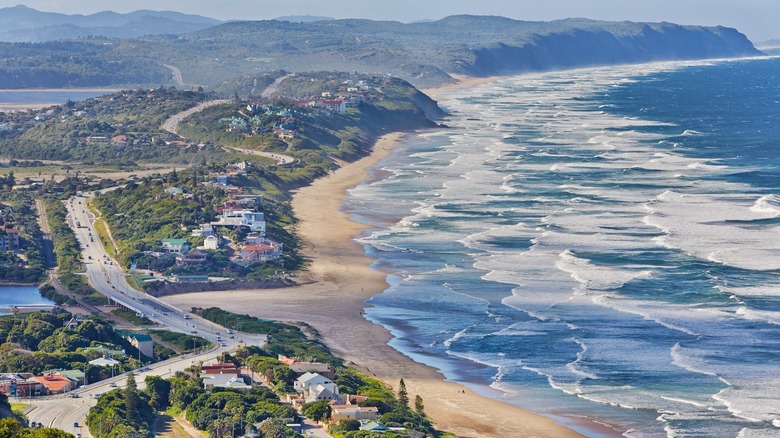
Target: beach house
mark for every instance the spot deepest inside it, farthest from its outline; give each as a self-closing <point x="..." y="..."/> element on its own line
<point x="143" y="342"/>
<point x="315" y="387"/>
<point x="175" y="245"/>
<point x="353" y="412"/>
<point x="253" y="220"/>
<point x="224" y="381"/>
<point x="191" y="258"/>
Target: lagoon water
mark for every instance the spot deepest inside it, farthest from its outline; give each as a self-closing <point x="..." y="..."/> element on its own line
<point x="599" y="243"/>
<point x="21" y="296"/>
<point x="46" y="96"/>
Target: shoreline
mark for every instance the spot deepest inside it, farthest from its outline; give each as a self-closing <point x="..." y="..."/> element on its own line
<point x="332" y="298"/>
<point x="35" y="106"/>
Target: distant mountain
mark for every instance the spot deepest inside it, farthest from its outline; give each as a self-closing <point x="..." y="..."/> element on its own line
<point x="303" y="18"/>
<point x="425" y="53"/>
<point x="23" y="24"/>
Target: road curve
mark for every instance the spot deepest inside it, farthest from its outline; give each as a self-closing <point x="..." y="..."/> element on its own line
<point x="107" y="277"/>
<point x="280" y="158"/>
<point x="172" y="123"/>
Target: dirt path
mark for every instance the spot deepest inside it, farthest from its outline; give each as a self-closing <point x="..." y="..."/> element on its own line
<point x="166" y="426"/>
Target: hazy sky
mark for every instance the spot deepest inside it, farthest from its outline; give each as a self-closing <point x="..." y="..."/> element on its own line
<point x="758" y="19"/>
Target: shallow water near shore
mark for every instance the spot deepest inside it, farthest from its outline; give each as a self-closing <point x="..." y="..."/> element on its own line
<point x="595" y="244"/>
<point x="21" y="296"/>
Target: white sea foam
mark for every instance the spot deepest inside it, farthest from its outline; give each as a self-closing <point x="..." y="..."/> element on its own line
<point x="767" y="204"/>
<point x="589" y="192"/>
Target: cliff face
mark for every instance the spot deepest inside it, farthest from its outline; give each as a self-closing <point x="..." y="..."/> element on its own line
<point x="596" y="45"/>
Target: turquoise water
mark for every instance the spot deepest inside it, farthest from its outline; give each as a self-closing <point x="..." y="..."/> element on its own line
<point x="597" y="244"/>
<point x="22" y="296"/>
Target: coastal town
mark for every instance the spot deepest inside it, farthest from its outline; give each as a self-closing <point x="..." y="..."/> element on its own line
<point x="364" y="219"/>
<point x="214" y="231"/>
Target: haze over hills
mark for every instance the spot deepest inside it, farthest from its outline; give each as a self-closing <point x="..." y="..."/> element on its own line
<point x="424" y="53"/>
<point x="23" y="24"/>
<point x="303" y="18"/>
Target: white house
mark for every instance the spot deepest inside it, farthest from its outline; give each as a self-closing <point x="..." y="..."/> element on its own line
<point x="322" y="392"/>
<point x="314" y="387"/>
<point x="203" y="231"/>
<point x="310" y="379"/>
<point x="223" y="381"/>
<point x="211" y="242"/>
<point x="242" y="218"/>
<point x="104" y="362"/>
<point x="175" y="245"/>
<point x="333" y="105"/>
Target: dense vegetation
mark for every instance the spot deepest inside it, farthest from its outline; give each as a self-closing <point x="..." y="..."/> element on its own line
<point x="285" y="339"/>
<point x="120" y="128"/>
<point x="142" y="213"/>
<point x="85" y="63"/>
<point x="36" y="342"/>
<point x="225" y="412"/>
<point x="17" y="210"/>
<point x="14" y="428"/>
<point x="388" y="104"/>
<point x="291" y="341"/>
<point x="419" y="52"/>
<point x="122" y="413"/>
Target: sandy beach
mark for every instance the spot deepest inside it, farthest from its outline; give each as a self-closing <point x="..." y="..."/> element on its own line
<point x="331" y="299"/>
<point x="11" y="107"/>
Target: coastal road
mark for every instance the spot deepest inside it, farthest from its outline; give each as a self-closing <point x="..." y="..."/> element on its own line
<point x="271" y="89"/>
<point x="177" y="79"/>
<point x="172" y="123"/>
<point x="68" y="413"/>
<point x="280" y="158"/>
<point x="107" y="277"/>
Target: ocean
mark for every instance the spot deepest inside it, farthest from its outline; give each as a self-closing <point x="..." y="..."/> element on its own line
<point x="598" y="246"/>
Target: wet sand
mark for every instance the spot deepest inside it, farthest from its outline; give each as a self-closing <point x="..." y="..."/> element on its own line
<point x="331" y="298"/>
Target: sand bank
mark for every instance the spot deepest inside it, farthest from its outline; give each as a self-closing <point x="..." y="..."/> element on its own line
<point x="462" y="82"/>
<point x="11" y="107"/>
<point x="332" y="297"/>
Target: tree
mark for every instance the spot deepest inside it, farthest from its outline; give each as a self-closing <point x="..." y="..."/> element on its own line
<point x="418" y="405"/>
<point x="132" y="400"/>
<point x="319" y="410"/>
<point x="403" y="396"/>
<point x="348" y="425"/>
<point x="159" y="390"/>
